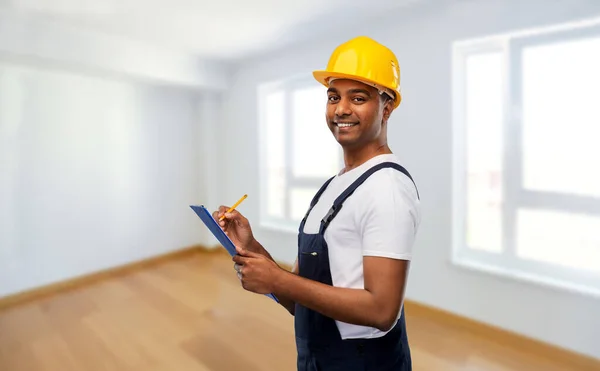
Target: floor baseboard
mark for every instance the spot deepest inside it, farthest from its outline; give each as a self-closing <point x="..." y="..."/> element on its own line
<point x="502" y="336"/>
<point x="57" y="287"/>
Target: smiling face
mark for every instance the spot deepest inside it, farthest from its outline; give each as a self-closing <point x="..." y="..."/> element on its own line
<point x="357" y="114"/>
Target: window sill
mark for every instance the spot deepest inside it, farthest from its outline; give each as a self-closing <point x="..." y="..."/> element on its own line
<point x="527" y="277"/>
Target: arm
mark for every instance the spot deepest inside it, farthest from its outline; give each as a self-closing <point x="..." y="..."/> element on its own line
<point x="387" y="226"/>
<point x="284" y="299"/>
<point x="386" y="222"/>
<point x="376" y="305"/>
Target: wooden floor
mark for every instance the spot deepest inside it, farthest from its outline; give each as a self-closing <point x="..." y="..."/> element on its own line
<point x="190" y="313"/>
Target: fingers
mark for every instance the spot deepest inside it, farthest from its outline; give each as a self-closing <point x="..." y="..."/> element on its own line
<point x="247" y="253"/>
<point x="240" y="260"/>
<point x="238" y="269"/>
<point x="220" y="213"/>
<point x="234" y="215"/>
<point x="217" y="214"/>
<point x="222" y="210"/>
<point x="239" y="265"/>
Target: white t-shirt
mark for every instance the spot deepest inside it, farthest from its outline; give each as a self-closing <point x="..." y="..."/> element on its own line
<point x="380" y="218"/>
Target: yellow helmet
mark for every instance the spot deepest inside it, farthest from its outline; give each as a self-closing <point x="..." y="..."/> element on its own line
<point x="365" y="60"/>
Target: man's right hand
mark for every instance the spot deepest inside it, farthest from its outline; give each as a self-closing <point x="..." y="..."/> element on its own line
<point x="237" y="228"/>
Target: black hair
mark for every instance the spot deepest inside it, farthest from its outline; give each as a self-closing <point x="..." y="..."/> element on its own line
<point x="386" y="97"/>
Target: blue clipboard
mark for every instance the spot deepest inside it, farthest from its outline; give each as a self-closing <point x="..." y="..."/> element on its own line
<point x="216" y="230"/>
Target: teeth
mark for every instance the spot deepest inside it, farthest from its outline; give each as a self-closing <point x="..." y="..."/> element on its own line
<point x="344" y="125"/>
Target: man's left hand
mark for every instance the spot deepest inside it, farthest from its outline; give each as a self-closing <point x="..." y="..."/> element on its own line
<point x="256" y="272"/>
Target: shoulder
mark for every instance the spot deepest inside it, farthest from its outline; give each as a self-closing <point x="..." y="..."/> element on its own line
<point x="388" y="198"/>
<point x="388" y="178"/>
<point x="388" y="189"/>
<point x="387" y="214"/>
<point x="394" y="180"/>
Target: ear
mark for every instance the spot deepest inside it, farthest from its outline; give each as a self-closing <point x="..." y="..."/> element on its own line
<point x="388" y="107"/>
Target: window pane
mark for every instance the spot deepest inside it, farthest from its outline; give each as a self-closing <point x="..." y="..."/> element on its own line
<point x="561" y="117"/>
<point x="300" y="201"/>
<point x="275" y="155"/>
<point x="484" y="85"/>
<point x="316" y="153"/>
<point x="561" y="238"/>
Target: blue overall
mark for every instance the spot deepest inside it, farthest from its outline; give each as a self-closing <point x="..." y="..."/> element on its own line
<point x="318" y="341"/>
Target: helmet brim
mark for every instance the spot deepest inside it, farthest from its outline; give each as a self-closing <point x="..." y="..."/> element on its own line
<point x="324" y="76"/>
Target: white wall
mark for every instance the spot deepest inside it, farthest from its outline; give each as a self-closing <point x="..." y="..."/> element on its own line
<point x="101" y="151"/>
<point x="94" y="173"/>
<point x="211" y="148"/>
<point x="420" y="132"/>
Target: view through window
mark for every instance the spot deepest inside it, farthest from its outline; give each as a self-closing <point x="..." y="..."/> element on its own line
<point x="527" y="174"/>
<point x="298" y="152"/>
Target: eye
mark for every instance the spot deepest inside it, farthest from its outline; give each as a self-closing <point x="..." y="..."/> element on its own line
<point x="359" y="99"/>
<point x="332" y="98"/>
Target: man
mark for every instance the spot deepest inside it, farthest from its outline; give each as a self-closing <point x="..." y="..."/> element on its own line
<point x="346" y="288"/>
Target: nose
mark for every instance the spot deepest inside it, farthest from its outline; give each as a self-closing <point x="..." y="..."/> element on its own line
<point x="343" y="108"/>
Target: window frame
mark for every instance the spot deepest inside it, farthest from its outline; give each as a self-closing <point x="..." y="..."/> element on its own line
<point x="287" y="86"/>
<point x="514" y="195"/>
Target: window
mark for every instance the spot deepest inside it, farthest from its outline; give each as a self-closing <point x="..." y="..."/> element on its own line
<point x="297" y="151"/>
<point x="527" y="164"/>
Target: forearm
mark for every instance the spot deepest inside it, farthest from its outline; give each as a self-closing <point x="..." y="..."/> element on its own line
<point x="356" y="306"/>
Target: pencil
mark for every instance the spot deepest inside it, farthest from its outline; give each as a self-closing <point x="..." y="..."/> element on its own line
<point x="234" y="206"/>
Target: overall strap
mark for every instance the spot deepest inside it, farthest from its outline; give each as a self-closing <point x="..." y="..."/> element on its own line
<point x="315" y="200"/>
<point x="337" y="204"/>
<point x="320" y="192"/>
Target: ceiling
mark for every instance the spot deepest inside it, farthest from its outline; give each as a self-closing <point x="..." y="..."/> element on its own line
<point x="218" y="29"/>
